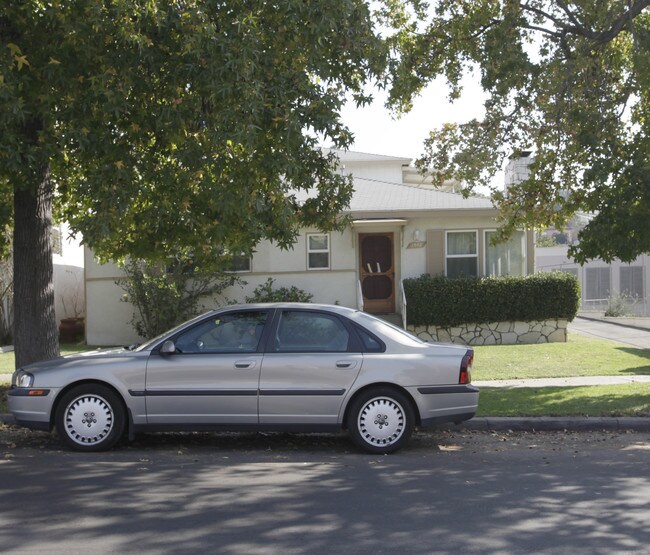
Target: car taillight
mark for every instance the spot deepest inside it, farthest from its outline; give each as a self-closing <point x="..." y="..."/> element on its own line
<point x="466" y="367"/>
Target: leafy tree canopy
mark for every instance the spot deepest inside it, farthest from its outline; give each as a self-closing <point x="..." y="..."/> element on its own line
<point x="159" y="127"/>
<point x="180" y="123"/>
<point x="569" y="80"/>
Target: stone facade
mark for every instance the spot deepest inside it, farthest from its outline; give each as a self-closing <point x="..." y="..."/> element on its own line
<point x="496" y="333"/>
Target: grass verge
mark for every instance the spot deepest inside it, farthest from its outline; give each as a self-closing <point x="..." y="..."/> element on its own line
<point x="579" y="356"/>
<point x="596" y="400"/>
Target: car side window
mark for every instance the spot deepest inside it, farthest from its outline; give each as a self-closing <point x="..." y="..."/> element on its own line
<point x="304" y="332"/>
<point x="370" y="343"/>
<point x="235" y="332"/>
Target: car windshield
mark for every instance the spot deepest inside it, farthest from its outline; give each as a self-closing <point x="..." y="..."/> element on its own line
<point x="148" y="344"/>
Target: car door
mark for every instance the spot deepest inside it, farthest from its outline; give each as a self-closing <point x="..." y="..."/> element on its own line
<point x="312" y="360"/>
<point x="213" y="376"/>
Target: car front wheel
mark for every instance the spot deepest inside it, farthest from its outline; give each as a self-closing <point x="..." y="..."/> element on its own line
<point x="381" y="420"/>
<point x="90" y="418"/>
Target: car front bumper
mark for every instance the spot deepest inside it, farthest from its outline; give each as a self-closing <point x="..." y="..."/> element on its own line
<point x="30" y="410"/>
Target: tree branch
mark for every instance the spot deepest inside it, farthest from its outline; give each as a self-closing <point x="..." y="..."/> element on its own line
<point x="576" y="28"/>
<point x="622" y="21"/>
<point x="565" y="8"/>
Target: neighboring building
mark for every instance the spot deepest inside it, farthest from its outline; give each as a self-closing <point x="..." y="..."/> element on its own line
<point x="600" y="281"/>
<point x="68" y="260"/>
<point x="68" y="282"/>
<point x="398" y="230"/>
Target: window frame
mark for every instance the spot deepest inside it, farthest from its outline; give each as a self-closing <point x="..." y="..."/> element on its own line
<point x="457" y="256"/>
<point x="327" y="251"/>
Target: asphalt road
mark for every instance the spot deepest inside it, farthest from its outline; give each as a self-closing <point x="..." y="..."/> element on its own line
<point x="451" y="492"/>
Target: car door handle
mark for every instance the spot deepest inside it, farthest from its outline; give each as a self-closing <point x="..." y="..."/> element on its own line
<point x="242" y="364"/>
<point x="346" y="364"/>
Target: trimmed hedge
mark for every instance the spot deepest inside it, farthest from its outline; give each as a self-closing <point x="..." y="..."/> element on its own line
<point x="445" y="302"/>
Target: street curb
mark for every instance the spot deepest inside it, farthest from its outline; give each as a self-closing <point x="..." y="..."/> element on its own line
<point x="532" y="424"/>
<point x="552" y="424"/>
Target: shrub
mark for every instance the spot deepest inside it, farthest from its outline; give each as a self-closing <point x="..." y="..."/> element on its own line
<point x="165" y="296"/>
<point x="449" y="302"/>
<point x="265" y="293"/>
<point x="619" y="305"/>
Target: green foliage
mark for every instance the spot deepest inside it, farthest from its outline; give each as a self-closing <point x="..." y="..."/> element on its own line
<point x="545" y="241"/>
<point x="569" y="81"/>
<point x="618" y="305"/>
<point x="445" y="302"/>
<point x="164" y="296"/>
<point x="265" y="293"/>
<point x="169" y="125"/>
<point x="157" y="126"/>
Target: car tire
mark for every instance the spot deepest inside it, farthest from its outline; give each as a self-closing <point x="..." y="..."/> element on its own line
<point x="90" y="417"/>
<point x="381" y="420"/>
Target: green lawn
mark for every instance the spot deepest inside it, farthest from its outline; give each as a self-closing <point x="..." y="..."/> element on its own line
<point x="580" y="356"/>
<point x="595" y="400"/>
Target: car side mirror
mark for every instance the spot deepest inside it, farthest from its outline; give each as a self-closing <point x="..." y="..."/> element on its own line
<point x="168" y="348"/>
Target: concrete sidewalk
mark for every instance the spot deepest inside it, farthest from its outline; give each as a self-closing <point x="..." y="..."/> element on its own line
<point x="565" y="382"/>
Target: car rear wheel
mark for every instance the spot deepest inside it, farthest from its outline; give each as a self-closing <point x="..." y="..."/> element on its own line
<point x="381" y="420"/>
<point x="90" y="418"/>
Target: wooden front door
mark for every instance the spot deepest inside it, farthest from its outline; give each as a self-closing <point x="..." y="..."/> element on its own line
<point x="377" y="272"/>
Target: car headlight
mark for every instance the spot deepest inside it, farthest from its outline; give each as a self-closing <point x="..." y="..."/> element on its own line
<point x="22" y="379"/>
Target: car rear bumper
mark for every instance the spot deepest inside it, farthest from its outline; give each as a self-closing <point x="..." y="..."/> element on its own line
<point x="446" y="403"/>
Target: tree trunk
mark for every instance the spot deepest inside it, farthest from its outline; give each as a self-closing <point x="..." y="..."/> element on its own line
<point x="35" y="331"/>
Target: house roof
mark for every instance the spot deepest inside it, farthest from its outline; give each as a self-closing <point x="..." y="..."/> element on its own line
<point x="379" y="196"/>
<point x="353" y="156"/>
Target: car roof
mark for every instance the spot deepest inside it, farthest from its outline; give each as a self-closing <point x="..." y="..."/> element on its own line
<point x="312" y="306"/>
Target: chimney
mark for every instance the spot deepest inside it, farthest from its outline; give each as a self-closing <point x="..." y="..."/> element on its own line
<point x="517" y="168"/>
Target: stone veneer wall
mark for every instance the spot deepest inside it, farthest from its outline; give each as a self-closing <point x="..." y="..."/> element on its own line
<point x="496" y="333"/>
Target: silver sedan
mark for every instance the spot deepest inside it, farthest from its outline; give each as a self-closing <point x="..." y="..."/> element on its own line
<point x="274" y="367"/>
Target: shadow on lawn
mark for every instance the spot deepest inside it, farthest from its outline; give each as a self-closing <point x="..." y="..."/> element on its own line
<point x="639" y="353"/>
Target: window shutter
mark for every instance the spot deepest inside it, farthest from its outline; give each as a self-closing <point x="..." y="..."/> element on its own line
<point x="435" y="252"/>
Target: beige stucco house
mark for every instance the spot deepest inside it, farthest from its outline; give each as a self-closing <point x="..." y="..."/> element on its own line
<point x="401" y="227"/>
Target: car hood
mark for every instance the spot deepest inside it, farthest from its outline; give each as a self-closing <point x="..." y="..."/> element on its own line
<point x="81" y="358"/>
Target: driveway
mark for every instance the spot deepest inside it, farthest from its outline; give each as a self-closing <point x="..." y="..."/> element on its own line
<point x="633" y="332"/>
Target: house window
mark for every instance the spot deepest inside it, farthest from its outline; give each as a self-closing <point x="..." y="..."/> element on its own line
<point x="318" y="251"/>
<point x="505" y="259"/>
<point x="239" y="263"/>
<point x="462" y="253"/>
<point x="632" y="281"/>
<point x="597" y="284"/>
